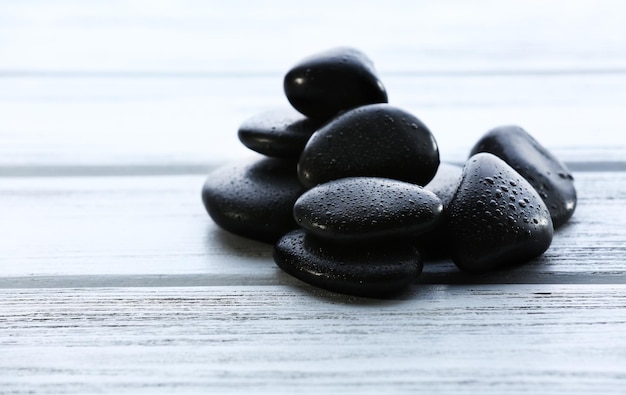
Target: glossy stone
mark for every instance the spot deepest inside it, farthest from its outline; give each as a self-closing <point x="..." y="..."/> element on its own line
<point x="324" y="84"/>
<point x="435" y="243"/>
<point x="542" y="169"/>
<point x="278" y="133"/>
<point x="496" y="218"/>
<point x="366" y="208"/>
<point x="377" y="140"/>
<point x="373" y="269"/>
<point x="445" y="182"/>
<point x="253" y="199"/>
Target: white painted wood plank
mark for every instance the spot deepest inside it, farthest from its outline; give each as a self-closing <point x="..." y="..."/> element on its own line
<point x="117" y="225"/>
<point x="193" y="121"/>
<point x="153" y="230"/>
<point x="489" y="339"/>
<point x="157" y="90"/>
<point x="269" y="36"/>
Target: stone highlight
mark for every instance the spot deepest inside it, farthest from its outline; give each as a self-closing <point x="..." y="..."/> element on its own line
<point x="549" y="176"/>
<point x="377" y="140"/>
<point x="496" y="218"/>
<point x="367" y="208"/>
<point x="253" y="199"/>
<point x="372" y="269"/>
<point x="324" y="84"/>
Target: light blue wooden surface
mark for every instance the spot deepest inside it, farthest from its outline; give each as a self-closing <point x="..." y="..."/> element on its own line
<point x="114" y="280"/>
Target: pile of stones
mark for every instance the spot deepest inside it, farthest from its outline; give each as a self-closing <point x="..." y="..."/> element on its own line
<point x="351" y="191"/>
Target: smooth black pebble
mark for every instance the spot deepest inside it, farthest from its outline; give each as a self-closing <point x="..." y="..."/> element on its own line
<point x="549" y="176"/>
<point x="377" y="140"/>
<point x="372" y="270"/>
<point x="435" y="243"/>
<point x="496" y="218"/>
<point x="278" y="133"/>
<point x="324" y="84"/>
<point x="253" y="199"/>
<point x="365" y="208"/>
<point x="445" y="182"/>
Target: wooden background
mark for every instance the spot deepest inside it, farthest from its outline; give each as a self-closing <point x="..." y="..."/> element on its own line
<point x="114" y="280"/>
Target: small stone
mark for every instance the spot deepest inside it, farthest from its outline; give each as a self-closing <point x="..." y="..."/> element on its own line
<point x="278" y="133"/>
<point x="372" y="270"/>
<point x="549" y="176"/>
<point x="253" y="199"/>
<point x="435" y="243"/>
<point x="445" y="182"/>
<point x="486" y="229"/>
<point x="376" y="140"/>
<point x="367" y="208"/>
<point x="324" y="84"/>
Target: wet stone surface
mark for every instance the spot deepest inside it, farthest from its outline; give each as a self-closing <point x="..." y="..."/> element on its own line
<point x="278" y="133"/>
<point x="367" y="208"/>
<point x="549" y="176"/>
<point x="372" y="269"/>
<point x="445" y="182"/>
<point x="435" y="242"/>
<point x="351" y="188"/>
<point x="254" y="198"/>
<point x="377" y="140"/>
<point x="327" y="83"/>
<point x="496" y="218"/>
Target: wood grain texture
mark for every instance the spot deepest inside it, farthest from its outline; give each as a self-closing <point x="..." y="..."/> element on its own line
<point x="113" y="279"/>
<point x="126" y="84"/>
<point x="153" y="230"/>
<point x="277" y="339"/>
<point x="190" y="122"/>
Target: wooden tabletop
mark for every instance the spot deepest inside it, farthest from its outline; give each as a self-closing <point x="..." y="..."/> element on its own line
<point x="113" y="279"/>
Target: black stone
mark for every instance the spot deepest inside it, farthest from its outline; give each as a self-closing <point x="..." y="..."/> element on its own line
<point x="278" y="133"/>
<point x="376" y="140"/>
<point x="435" y="242"/>
<point x="253" y="199"/>
<point x="366" y="208"/>
<point x="373" y="270"/>
<point x="324" y="84"/>
<point x="496" y="218"/>
<point x="544" y="171"/>
<point x="445" y="182"/>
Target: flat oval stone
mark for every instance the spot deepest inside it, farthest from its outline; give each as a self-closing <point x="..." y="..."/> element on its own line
<point x="367" y="208"/>
<point x="278" y="133"/>
<point x="324" y="84"/>
<point x="253" y="199"/>
<point x="535" y="163"/>
<point x="373" y="269"/>
<point x="435" y="243"/>
<point x="377" y="140"/>
<point x="496" y="218"/>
